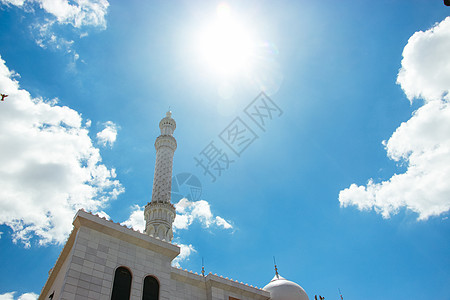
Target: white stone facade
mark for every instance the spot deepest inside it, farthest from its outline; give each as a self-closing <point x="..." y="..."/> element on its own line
<point x="97" y="250"/>
<point x="97" y="247"/>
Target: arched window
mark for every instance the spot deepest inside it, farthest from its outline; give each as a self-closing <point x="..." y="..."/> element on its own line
<point x="122" y="284"/>
<point x="151" y="288"/>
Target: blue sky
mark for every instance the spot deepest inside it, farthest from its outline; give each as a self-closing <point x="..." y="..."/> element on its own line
<point x="347" y="183"/>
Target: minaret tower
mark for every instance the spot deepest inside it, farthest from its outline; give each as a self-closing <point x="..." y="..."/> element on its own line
<point x="160" y="213"/>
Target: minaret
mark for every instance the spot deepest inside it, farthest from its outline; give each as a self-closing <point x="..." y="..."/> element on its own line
<point x="160" y="213"/>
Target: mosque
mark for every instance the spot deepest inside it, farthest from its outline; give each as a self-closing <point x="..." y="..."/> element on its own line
<point x="105" y="260"/>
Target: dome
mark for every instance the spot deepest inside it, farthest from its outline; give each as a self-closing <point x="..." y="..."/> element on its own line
<point x="282" y="289"/>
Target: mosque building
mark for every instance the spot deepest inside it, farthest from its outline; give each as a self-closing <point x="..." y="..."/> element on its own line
<point x="105" y="260"/>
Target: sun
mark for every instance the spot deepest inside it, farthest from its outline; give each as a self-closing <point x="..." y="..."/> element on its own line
<point x="225" y="44"/>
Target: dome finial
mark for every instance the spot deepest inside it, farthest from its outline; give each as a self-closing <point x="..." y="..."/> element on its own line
<point x="276" y="269"/>
<point x="203" y="268"/>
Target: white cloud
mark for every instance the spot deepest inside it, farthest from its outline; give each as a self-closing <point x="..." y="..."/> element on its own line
<point x="108" y="135"/>
<point x="49" y="168"/>
<point x="425" y="66"/>
<point x="422" y="143"/>
<point x="102" y="214"/>
<point x="188" y="212"/>
<point x="137" y="222"/>
<point x="136" y="219"/>
<point x="13" y="2"/>
<point x="7" y="296"/>
<point x="26" y="296"/>
<point x="222" y="222"/>
<point x="185" y="252"/>
<point x="78" y="13"/>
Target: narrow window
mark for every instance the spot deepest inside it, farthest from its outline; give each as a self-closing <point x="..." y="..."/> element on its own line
<point x="151" y="288"/>
<point x="122" y="284"/>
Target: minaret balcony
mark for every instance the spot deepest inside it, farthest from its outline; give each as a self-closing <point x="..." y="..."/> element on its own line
<point x="166" y="141"/>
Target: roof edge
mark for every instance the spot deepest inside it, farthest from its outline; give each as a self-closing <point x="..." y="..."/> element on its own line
<point x="95" y="222"/>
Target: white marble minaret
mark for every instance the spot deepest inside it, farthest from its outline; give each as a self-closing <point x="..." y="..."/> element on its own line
<point x="160" y="213"/>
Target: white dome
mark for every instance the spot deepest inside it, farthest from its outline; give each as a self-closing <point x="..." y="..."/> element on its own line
<point x="282" y="289"/>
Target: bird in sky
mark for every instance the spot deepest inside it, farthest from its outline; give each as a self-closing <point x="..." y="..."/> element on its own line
<point x="3" y="96"/>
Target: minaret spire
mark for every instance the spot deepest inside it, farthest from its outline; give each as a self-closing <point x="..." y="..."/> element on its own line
<point x="160" y="213"/>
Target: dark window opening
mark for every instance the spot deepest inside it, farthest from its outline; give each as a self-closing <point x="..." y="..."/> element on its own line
<point x="122" y="284"/>
<point x="151" y="288"/>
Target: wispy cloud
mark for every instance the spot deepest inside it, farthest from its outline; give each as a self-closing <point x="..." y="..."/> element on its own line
<point x="46" y="38"/>
<point x="108" y="135"/>
<point x="49" y="169"/>
<point x="78" y="15"/>
<point x="422" y="143"/>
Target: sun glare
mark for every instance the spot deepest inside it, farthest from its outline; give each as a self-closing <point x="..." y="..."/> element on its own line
<point x="226" y="45"/>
